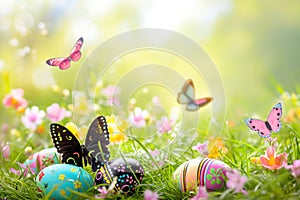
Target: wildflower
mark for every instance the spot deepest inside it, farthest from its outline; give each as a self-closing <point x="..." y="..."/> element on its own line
<point x="149" y="195"/>
<point x="33" y="117"/>
<point x="103" y="193"/>
<point x="201" y="195"/>
<point x="202" y="148"/>
<point x="154" y="153"/>
<point x="15" y="132"/>
<point x="164" y="125"/>
<point x="5" y="150"/>
<point x="155" y="100"/>
<point x="40" y="129"/>
<point x="235" y="180"/>
<point x="216" y="147"/>
<point x="116" y="130"/>
<point x="295" y="167"/>
<point x="56" y="114"/>
<point x="15" y="99"/>
<point x="28" y="151"/>
<point x="81" y="104"/>
<point x="255" y="160"/>
<point x="271" y="161"/>
<point x="139" y="118"/>
<point x="293" y="115"/>
<point x="25" y="168"/>
<point x="110" y="92"/>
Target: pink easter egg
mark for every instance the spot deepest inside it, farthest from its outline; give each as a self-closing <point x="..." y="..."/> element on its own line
<point x="201" y="172"/>
<point x="42" y="159"/>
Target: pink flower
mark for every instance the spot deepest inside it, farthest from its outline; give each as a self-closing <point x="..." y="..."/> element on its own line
<point x="56" y="114"/>
<point x="15" y="99"/>
<point x="295" y="168"/>
<point x="103" y="193"/>
<point x="202" y="148"/>
<point x="33" y="117"/>
<point x="139" y="117"/>
<point x="5" y="150"/>
<point x="235" y="180"/>
<point x="149" y="195"/>
<point x="271" y="161"/>
<point x="201" y="195"/>
<point x="110" y="91"/>
<point x="164" y="125"/>
<point x="155" y="100"/>
<point x="154" y="153"/>
<point x="26" y="169"/>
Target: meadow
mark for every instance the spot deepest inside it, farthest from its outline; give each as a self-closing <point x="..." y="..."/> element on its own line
<point x="134" y="81"/>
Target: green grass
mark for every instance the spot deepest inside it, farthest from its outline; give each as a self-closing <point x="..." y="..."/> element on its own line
<point x="241" y="143"/>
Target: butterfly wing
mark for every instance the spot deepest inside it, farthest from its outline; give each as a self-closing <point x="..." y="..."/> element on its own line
<point x="96" y="142"/>
<point x="203" y="101"/>
<point x="183" y="98"/>
<point x="62" y="63"/>
<point x="259" y="126"/>
<point x="75" y="52"/>
<point x="274" y="117"/>
<point x="187" y="93"/>
<point x="187" y="96"/>
<point x="66" y="144"/>
<point x="198" y="103"/>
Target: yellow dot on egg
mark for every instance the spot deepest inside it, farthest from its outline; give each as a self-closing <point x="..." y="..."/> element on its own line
<point x="73" y="169"/>
<point x="77" y="184"/>
<point x="62" y="192"/>
<point x="61" y="177"/>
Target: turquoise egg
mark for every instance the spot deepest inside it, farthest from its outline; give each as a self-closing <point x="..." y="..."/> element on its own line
<point x="60" y="180"/>
<point x="42" y="159"/>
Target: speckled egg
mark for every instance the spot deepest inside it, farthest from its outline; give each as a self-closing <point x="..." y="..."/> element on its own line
<point x="201" y="172"/>
<point x="42" y="159"/>
<point x="60" y="180"/>
<point x="128" y="172"/>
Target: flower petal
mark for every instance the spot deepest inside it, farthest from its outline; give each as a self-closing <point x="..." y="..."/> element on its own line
<point x="270" y="152"/>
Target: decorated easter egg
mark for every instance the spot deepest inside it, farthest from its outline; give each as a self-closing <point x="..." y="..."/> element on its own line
<point x="59" y="180"/>
<point x="41" y="159"/>
<point x="128" y="173"/>
<point x="201" y="172"/>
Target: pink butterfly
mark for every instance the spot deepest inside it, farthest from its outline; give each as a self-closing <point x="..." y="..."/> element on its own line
<point x="265" y="128"/>
<point x="187" y="96"/>
<point x="64" y="63"/>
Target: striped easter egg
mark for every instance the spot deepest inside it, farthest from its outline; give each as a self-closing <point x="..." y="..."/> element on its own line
<point x="201" y="172"/>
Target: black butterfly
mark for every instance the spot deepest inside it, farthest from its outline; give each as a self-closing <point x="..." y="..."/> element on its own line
<point x="94" y="152"/>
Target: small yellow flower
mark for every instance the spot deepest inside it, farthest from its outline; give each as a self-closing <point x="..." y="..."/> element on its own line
<point x="216" y="147"/>
<point x="40" y="129"/>
<point x="116" y="130"/>
<point x="293" y="115"/>
<point x="81" y="104"/>
<point x="255" y="160"/>
<point x="15" y="132"/>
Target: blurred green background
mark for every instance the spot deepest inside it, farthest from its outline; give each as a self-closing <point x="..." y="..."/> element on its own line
<point x="254" y="44"/>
